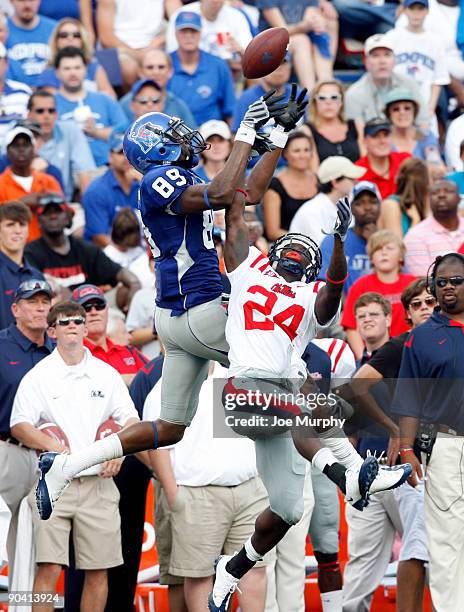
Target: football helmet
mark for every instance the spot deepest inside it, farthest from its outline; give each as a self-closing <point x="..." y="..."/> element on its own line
<point x="297" y="254"/>
<point x="156" y="138"/>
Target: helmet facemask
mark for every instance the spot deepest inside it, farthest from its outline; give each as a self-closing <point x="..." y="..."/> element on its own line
<point x="303" y="263"/>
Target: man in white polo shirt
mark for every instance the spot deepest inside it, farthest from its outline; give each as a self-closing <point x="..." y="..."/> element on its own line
<point x="77" y="392"/>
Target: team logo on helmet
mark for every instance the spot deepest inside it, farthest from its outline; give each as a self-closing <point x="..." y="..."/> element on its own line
<point x="146" y="135"/>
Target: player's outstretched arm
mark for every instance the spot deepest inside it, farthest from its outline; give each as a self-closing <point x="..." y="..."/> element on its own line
<point x="236" y="245"/>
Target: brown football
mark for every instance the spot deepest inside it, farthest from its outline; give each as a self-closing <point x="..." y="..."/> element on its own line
<point x="265" y="53"/>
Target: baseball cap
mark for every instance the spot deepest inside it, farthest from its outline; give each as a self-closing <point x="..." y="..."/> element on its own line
<point x="399" y="95"/>
<point x="115" y="142"/>
<point x="55" y="199"/>
<point x="188" y="19"/>
<point x="18" y="131"/>
<point x="377" y="41"/>
<point x="86" y="293"/>
<point x="363" y="186"/>
<point x="215" y="127"/>
<point x="374" y="126"/>
<point x="138" y="85"/>
<point x="337" y="166"/>
<point x="31" y="287"/>
<point x="407" y="3"/>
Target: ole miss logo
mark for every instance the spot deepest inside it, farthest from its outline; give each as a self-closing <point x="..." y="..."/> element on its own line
<point x="283" y="289"/>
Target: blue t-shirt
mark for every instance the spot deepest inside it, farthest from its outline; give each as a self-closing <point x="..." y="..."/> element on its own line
<point x="102" y="200"/>
<point x="58" y="9"/>
<point x="28" y="50"/>
<point x="182" y="244"/>
<point x="48" y="78"/>
<point x="458" y="178"/>
<point x="105" y="111"/>
<point x="428" y="143"/>
<point x="209" y="91"/>
<point x="356" y="257"/>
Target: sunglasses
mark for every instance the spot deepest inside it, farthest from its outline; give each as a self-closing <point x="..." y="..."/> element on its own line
<point x="145" y="100"/>
<point x="67" y="320"/>
<point x="401" y="107"/>
<point x="428" y="301"/>
<point x="42" y="111"/>
<point x="455" y="281"/>
<point x="97" y="305"/>
<point x="32" y="285"/>
<point x="332" y="98"/>
<point x="63" y="35"/>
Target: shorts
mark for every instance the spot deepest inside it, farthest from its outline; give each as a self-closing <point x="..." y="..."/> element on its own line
<point x="190" y="341"/>
<point x="210" y="520"/>
<point x="90" y="507"/>
<point x="164" y="536"/>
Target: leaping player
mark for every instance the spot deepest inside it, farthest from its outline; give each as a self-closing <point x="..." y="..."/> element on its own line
<point x="275" y="310"/>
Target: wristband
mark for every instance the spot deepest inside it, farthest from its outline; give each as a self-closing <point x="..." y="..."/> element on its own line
<point x="407" y="452"/>
<point x="278" y="137"/>
<point x="336" y="282"/>
<point x="404" y="449"/>
<point x="245" y="133"/>
<point x="245" y="193"/>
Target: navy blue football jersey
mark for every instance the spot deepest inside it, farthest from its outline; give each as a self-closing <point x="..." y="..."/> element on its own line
<point x="187" y="267"/>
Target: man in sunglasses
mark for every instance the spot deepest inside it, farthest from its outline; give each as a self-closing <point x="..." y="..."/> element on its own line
<point x="24" y="343"/>
<point x="430" y="388"/>
<point x="78" y="392"/>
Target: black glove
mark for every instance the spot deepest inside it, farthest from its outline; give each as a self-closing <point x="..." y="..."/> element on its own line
<point x="293" y="110"/>
<point x="343" y="221"/>
<point x="262" y="145"/>
<point x="259" y="113"/>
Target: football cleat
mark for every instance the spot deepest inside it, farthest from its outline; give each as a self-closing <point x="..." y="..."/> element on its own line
<point x="359" y="482"/>
<point x="224" y="586"/>
<point x="51" y="483"/>
<point x="391" y="477"/>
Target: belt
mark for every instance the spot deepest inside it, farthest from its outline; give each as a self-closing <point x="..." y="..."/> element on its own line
<point x="449" y="430"/>
<point x="10" y="440"/>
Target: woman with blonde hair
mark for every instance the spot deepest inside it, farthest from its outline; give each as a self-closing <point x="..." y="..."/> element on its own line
<point x="70" y="32"/>
<point x="332" y="134"/>
<point x="410" y="204"/>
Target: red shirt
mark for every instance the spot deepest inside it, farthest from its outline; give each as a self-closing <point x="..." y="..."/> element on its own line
<point x="124" y="359"/>
<point x="391" y="291"/>
<point x="386" y="185"/>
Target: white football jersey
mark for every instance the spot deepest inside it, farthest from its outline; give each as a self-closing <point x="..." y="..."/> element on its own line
<point x="270" y="320"/>
<point x="343" y="363"/>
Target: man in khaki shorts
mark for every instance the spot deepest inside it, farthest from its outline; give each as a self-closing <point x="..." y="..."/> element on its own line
<point x="77" y="393"/>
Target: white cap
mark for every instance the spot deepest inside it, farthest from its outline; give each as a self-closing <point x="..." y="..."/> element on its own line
<point x="377" y="41"/>
<point x="336" y="166"/>
<point x="215" y="127"/>
<point x="16" y="131"/>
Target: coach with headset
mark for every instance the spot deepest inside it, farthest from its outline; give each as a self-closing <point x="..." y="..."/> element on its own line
<point x="430" y="387"/>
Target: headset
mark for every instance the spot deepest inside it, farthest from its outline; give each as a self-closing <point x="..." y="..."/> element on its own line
<point x="432" y="271"/>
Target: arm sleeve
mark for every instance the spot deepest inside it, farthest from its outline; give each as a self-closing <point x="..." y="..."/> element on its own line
<point x="27" y="405"/>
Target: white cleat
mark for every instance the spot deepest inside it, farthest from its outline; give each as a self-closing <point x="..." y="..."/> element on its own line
<point x="51" y="483"/>
<point x="359" y="482"/>
<point x="390" y="477"/>
<point x="224" y="586"/>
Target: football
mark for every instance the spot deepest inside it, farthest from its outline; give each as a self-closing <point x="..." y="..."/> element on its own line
<point x="107" y="428"/>
<point x="52" y="430"/>
<point x="265" y="53"/>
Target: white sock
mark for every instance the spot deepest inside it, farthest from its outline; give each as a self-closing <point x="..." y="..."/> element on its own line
<point x="332" y="601"/>
<point x="98" y="452"/>
<point x="345" y="453"/>
<point x="322" y="458"/>
<point x="251" y="552"/>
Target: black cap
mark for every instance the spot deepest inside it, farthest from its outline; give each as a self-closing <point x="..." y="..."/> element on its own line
<point x="374" y="126"/>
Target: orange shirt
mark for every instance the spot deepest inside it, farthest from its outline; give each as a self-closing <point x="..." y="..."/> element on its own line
<point x="11" y="190"/>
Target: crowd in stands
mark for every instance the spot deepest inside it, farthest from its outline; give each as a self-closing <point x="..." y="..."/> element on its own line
<point x="388" y="133"/>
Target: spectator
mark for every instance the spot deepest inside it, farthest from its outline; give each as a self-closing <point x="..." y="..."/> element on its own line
<point x="316" y="217"/>
<point x="107" y="194"/>
<point x="365" y="206"/>
<point x="199" y="77"/>
<point x="64" y="144"/>
<point x="89" y="392"/>
<point x="454" y="137"/>
<point x="130" y="31"/>
<point x="386" y="253"/>
<point x="94" y="112"/>
<point x="156" y="65"/>
<point x="365" y="99"/>
<point x="225" y="31"/>
<point x="458" y="176"/>
<point x="295" y="185"/>
<point x="360" y="19"/>
<point x="70" y="32"/>
<point x="140" y="320"/>
<point x="14" y="268"/>
<point x="205" y="472"/>
<point x="410" y="204"/>
<point x="27" y="42"/>
<point x="332" y="134"/>
<point x="13" y="95"/>
<point x="401" y="110"/>
<point x="25" y="342"/>
<point x="217" y="134"/>
<point x="381" y="163"/>
<point x="145" y="98"/>
<point x="19" y="181"/>
<point x="71" y="261"/>
<point x="440" y="233"/>
<point x="420" y="54"/>
<point x="313" y="30"/>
